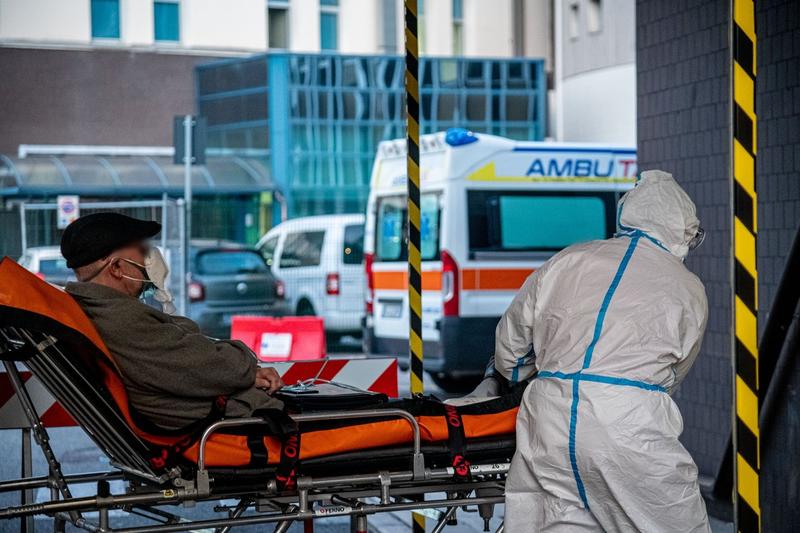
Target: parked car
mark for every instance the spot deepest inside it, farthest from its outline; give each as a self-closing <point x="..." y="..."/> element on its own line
<point x="230" y="279"/>
<point x="47" y="263"/>
<point x="320" y="261"/>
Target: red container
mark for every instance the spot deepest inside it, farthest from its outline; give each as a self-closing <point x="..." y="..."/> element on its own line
<point x="291" y="338"/>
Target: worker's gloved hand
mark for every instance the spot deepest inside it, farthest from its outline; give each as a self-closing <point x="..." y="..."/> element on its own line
<point x="489" y="387"/>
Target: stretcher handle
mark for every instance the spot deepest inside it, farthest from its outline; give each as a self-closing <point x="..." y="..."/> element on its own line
<point x="312" y="417"/>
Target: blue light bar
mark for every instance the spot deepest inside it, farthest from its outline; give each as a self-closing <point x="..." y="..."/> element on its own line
<point x="459" y="137"/>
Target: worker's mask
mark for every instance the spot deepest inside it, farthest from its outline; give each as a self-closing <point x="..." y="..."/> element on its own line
<point x="156" y="271"/>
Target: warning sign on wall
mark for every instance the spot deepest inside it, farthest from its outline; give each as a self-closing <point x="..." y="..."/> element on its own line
<point x="68" y="210"/>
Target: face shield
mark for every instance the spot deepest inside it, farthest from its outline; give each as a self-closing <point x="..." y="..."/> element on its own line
<point x="698" y="239"/>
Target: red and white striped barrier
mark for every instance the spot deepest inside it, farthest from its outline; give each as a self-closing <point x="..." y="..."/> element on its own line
<point x="11" y="414"/>
<point x="376" y="375"/>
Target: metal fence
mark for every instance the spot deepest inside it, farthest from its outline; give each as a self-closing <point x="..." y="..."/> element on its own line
<point x="38" y="228"/>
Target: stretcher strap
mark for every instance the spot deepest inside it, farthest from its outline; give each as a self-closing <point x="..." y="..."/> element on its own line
<point x="286" y="475"/>
<point x="169" y="455"/>
<point x="259" y="455"/>
<point x="457" y="442"/>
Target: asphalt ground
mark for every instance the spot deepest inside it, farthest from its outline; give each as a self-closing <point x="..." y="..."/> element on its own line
<point x="78" y="454"/>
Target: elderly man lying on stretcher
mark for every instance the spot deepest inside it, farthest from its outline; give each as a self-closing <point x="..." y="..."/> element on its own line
<point x="174" y="375"/>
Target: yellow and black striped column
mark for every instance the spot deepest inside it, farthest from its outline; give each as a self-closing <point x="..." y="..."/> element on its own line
<point x="414" y="261"/>
<point x="745" y="277"/>
<point x="414" y="256"/>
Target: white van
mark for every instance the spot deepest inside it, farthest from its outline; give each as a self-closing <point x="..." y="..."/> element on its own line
<point x="492" y="211"/>
<point x="320" y="261"/>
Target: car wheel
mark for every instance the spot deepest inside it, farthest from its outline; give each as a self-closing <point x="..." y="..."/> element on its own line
<point x="304" y="308"/>
<point x="450" y="384"/>
<point x="333" y="340"/>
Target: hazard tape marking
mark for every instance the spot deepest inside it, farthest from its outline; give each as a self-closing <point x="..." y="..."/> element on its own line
<point x="376" y="375"/>
<point x="744" y="144"/>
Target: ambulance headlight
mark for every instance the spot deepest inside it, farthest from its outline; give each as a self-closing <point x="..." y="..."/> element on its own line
<point x="459" y="137"/>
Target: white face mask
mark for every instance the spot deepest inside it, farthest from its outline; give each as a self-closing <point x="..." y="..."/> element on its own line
<point x="157" y="272"/>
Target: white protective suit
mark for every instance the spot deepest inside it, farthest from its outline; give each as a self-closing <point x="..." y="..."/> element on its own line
<point x="615" y="326"/>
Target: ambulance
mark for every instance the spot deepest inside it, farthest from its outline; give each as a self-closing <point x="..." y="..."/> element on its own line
<point x="492" y="211"/>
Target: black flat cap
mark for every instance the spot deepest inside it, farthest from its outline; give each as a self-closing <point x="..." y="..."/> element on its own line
<point x="95" y="236"/>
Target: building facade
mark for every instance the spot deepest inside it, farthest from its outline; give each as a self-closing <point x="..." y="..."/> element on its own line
<point x="684" y="126"/>
<point x="115" y="73"/>
<point x="317" y="119"/>
<point x="595" y="70"/>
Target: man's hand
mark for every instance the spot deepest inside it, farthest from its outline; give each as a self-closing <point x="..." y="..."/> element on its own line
<point x="268" y="379"/>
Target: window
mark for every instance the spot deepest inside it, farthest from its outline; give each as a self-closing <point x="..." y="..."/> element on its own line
<point x="278" y="28"/>
<point x="387" y="43"/>
<point x="353" y="249"/>
<point x="391" y="227"/>
<point x="278" y="24"/>
<point x="574" y="20"/>
<point x="268" y="250"/>
<point x="302" y="249"/>
<point x="54" y="267"/>
<point x="458" y="27"/>
<point x="229" y="262"/>
<point x="594" y="16"/>
<point x="166" y="20"/>
<point x="329" y="24"/>
<point x="510" y="221"/>
<point x="105" y="19"/>
<point x="420" y="25"/>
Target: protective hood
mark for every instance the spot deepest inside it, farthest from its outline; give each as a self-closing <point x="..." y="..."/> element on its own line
<point x="658" y="207"/>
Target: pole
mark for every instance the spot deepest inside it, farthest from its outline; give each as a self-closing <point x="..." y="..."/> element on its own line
<point x="413" y="210"/>
<point x="26" y="523"/>
<point x="23" y="228"/>
<point x="183" y="298"/>
<point x="412" y="169"/>
<point x="746" y="446"/>
<point x="187" y="204"/>
<point x="165" y="227"/>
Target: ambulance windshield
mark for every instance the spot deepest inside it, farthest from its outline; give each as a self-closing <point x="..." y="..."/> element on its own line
<point x="391" y="228"/>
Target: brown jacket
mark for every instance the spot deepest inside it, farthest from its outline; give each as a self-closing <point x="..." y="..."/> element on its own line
<point x="171" y="371"/>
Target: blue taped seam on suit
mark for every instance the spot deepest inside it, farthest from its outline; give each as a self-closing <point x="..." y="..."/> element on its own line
<point x="573" y="419"/>
<point x="636" y="233"/>
<point x="573" y="456"/>
<point x="599" y="378"/>
<point x="515" y="370"/>
<point x="598" y="326"/>
<point x="521" y="361"/>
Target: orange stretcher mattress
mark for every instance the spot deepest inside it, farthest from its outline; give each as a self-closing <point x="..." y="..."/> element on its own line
<point x="34" y="303"/>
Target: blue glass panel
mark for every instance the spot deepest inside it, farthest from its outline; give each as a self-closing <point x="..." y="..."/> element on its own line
<point x="329" y="2"/>
<point x="328" y="113"/>
<point x="105" y="19"/>
<point x="458" y="9"/>
<point x="166" y="18"/>
<point x="329" y="31"/>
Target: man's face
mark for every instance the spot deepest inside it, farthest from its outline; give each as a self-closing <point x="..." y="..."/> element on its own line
<point x="123" y="269"/>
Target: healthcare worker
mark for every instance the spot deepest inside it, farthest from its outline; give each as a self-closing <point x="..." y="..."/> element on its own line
<point x="612" y="327"/>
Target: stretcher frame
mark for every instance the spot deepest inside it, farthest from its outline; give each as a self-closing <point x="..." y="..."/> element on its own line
<point x="153" y="495"/>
